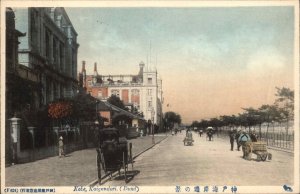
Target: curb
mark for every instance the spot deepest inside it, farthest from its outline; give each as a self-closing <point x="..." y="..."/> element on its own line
<point x="94" y="182"/>
<point x="280" y="149"/>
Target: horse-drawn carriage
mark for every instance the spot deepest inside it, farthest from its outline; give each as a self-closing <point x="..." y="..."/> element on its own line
<point x="113" y="153"/>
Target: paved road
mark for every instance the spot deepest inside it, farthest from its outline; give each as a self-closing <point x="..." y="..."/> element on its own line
<point x="207" y="163"/>
<point x="79" y="168"/>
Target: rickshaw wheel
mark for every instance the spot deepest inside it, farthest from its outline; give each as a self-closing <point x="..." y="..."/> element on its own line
<point x="130" y="151"/>
<point x="98" y="160"/>
<point x="124" y="166"/>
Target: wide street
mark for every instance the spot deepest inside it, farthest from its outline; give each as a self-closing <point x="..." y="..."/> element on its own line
<point x="207" y="163"/>
<point x="78" y="168"/>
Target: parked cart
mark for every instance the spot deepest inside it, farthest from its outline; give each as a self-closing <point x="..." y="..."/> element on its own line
<point x="113" y="154"/>
<point x="259" y="149"/>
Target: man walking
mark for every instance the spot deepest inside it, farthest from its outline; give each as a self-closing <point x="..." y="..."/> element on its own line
<point x="237" y="135"/>
<point x="232" y="137"/>
<point x="61" y="147"/>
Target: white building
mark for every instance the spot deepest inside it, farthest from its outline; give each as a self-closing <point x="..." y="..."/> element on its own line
<point x="142" y="91"/>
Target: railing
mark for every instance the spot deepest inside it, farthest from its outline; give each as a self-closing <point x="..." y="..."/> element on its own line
<point x="279" y="140"/>
<point x="275" y="139"/>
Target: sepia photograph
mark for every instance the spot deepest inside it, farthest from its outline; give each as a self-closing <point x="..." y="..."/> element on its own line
<point x="149" y="97"/>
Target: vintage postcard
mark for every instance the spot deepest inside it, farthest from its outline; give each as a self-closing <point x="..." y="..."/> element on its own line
<point x="149" y="97"/>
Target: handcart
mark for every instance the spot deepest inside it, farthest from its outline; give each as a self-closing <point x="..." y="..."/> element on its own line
<point x="113" y="154"/>
<point x="259" y="149"/>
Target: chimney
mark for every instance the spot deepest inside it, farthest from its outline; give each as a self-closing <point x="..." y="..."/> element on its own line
<point x="95" y="69"/>
<point x="83" y="66"/>
<point x="142" y="65"/>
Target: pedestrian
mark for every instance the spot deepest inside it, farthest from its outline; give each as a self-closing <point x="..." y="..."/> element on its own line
<point x="232" y="137"/>
<point x="237" y="135"/>
<point x="243" y="139"/>
<point x="200" y="132"/>
<point x="61" y="147"/>
<point x="253" y="136"/>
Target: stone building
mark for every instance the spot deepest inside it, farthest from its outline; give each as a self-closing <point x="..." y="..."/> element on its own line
<point x="41" y="66"/>
<point x="141" y="92"/>
<point x="49" y="49"/>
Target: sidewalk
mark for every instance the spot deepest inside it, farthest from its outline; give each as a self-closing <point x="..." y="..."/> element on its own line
<point x="77" y="168"/>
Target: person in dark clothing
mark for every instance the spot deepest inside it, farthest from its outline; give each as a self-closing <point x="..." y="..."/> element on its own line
<point x="232" y="137"/>
<point x="237" y="135"/>
<point x="253" y="136"/>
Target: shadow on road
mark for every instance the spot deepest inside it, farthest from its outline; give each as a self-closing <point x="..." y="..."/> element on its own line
<point x="129" y="175"/>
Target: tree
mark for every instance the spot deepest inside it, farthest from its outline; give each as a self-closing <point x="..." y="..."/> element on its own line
<point x="115" y="100"/>
<point x="171" y="118"/>
<point x="269" y="114"/>
<point x="285" y="103"/>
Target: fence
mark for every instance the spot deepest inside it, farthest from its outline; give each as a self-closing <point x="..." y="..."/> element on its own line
<point x="276" y="139"/>
<point x="279" y="140"/>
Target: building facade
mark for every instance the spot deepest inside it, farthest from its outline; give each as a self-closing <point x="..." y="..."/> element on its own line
<point x="49" y="49"/>
<point x="141" y="92"/>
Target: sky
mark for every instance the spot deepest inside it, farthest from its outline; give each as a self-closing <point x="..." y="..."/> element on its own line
<point x="213" y="61"/>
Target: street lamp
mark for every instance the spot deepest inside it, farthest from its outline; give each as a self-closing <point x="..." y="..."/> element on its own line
<point x="15" y="135"/>
<point x="152" y="117"/>
<point x="97" y="101"/>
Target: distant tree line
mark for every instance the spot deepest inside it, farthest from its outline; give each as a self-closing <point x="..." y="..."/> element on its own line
<point x="281" y="111"/>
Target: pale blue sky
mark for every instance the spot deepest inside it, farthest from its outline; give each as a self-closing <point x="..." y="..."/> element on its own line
<point x="194" y="48"/>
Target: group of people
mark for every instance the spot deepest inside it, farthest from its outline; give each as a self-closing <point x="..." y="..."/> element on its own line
<point x="241" y="137"/>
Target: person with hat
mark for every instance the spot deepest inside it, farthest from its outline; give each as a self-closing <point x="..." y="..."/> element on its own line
<point x="244" y="138"/>
<point x="232" y="137"/>
<point x="61" y="147"/>
<point x="253" y="135"/>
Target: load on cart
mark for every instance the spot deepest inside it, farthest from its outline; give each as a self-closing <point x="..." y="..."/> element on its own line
<point x="113" y="153"/>
<point x="188" y="140"/>
<point x="251" y="145"/>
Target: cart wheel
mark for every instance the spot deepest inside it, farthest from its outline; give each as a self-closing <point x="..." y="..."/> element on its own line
<point x="264" y="157"/>
<point x="124" y="166"/>
<point x="269" y="156"/>
<point x="98" y="160"/>
<point x="130" y="151"/>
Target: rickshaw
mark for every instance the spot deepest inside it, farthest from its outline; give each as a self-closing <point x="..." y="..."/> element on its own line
<point x="112" y="153"/>
<point x="188" y="140"/>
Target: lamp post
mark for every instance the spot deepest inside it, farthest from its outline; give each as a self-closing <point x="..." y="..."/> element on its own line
<point x="152" y="117"/>
<point x="31" y="131"/>
<point x="97" y="101"/>
<point x="15" y="135"/>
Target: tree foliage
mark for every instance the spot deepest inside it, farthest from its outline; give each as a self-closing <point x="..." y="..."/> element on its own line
<point x="115" y="100"/>
<point x="171" y="118"/>
<point x="281" y="111"/>
<point x="60" y="109"/>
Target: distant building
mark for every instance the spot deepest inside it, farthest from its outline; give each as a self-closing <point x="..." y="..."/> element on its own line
<point x="140" y="93"/>
<point x="49" y="49"/>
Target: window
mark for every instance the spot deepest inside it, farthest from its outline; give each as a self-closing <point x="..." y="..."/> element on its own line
<point x="61" y="56"/>
<point x="54" y="51"/>
<point x="100" y="93"/>
<point x="149" y="104"/>
<point x="149" y="92"/>
<point x="135" y="92"/>
<point x="115" y="92"/>
<point x="149" y="80"/>
<point x="90" y="83"/>
<point x="47" y="45"/>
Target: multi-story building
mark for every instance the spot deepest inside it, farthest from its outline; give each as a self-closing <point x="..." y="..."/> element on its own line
<point x="142" y="92"/>
<point x="49" y="49"/>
